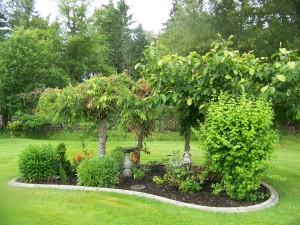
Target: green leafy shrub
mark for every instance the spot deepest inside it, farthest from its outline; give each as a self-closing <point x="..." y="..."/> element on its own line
<point x="13" y="127"/>
<point x="185" y="178"/>
<point x="118" y="155"/>
<point x="98" y="172"/>
<point x="37" y="163"/>
<point x="139" y="172"/>
<point x="238" y="138"/>
<point x="63" y="167"/>
<point x="33" y="123"/>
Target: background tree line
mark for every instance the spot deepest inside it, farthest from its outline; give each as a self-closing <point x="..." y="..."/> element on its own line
<point x="258" y="25"/>
<point x="36" y="53"/>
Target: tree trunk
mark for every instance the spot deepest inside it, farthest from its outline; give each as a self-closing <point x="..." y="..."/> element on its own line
<point x="187" y="148"/>
<point x="139" y="145"/>
<point x="187" y="140"/>
<point x="4" y="118"/>
<point x="102" y="137"/>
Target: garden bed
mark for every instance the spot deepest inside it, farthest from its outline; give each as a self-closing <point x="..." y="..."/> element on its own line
<point x="204" y="197"/>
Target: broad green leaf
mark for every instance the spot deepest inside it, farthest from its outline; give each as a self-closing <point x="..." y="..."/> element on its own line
<point x="264" y="89"/>
<point x="160" y="62"/>
<point x="281" y="78"/>
<point x="235" y="72"/>
<point x="228" y="77"/>
<point x="202" y="106"/>
<point x="196" y="66"/>
<point x="189" y="101"/>
<point x="277" y="64"/>
<point x="181" y="58"/>
<point x="283" y="50"/>
<point x="164" y="98"/>
<point x="251" y="71"/>
<point x="174" y="97"/>
<point x="136" y="66"/>
<point x="152" y="53"/>
<point x="272" y="90"/>
<point x="291" y="65"/>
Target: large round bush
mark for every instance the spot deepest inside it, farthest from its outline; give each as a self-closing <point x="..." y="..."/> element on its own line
<point x="238" y="138"/>
<point x="98" y="172"/>
<point x="37" y="163"/>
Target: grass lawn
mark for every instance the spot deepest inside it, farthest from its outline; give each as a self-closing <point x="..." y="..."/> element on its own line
<point x="50" y="206"/>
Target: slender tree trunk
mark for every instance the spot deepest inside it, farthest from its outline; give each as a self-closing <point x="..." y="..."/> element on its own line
<point x="187" y="140"/>
<point x="4" y="115"/>
<point x="187" y="148"/>
<point x="102" y="137"/>
<point x="140" y="145"/>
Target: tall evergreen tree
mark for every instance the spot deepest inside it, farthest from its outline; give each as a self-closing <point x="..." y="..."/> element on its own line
<point x="20" y="12"/>
<point x="84" y="51"/>
<point x="3" y="20"/>
<point x="115" y="22"/>
<point x="189" y="27"/>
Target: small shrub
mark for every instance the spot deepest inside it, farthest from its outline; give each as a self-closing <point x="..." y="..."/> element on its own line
<point x="118" y="155"/>
<point x="98" y="172"/>
<point x="63" y="166"/>
<point x="182" y="177"/>
<point x="37" y="163"/>
<point x="13" y="127"/>
<point x="238" y="138"/>
<point x="139" y="173"/>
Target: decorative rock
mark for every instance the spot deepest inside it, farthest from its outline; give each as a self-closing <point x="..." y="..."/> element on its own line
<point x="137" y="187"/>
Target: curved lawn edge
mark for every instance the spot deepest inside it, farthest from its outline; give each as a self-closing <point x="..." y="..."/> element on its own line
<point x="273" y="199"/>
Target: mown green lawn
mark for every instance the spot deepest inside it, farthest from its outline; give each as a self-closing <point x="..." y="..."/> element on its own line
<point x="50" y="206"/>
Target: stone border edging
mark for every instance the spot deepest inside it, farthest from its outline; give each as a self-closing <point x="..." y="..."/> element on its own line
<point x="267" y="204"/>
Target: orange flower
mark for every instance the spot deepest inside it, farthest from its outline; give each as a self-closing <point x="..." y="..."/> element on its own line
<point x="78" y="157"/>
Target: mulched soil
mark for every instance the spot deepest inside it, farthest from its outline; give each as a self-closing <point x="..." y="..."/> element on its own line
<point x="203" y="197"/>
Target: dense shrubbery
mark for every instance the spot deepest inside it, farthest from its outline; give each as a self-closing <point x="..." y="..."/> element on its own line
<point x="63" y="165"/>
<point x="185" y="178"/>
<point x="118" y="155"/>
<point x="237" y="136"/>
<point x="98" y="172"/>
<point x="37" y="163"/>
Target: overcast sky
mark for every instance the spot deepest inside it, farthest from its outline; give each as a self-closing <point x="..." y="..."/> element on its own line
<point x="151" y="13"/>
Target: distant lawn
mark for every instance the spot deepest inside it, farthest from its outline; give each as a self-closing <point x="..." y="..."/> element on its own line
<point x="49" y="206"/>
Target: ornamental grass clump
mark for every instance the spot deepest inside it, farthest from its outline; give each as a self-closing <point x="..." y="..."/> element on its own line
<point x="37" y="163"/>
<point x="238" y="138"/>
<point x="98" y="172"/>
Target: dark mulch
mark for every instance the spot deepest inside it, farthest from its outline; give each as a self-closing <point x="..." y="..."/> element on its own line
<point x="203" y="197"/>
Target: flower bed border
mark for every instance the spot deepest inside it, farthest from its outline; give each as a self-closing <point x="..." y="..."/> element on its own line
<point x="273" y="199"/>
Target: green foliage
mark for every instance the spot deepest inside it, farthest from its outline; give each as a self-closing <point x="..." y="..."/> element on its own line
<point x="118" y="155"/>
<point x="29" y="62"/>
<point x="13" y="127"/>
<point x="37" y="163"/>
<point x="84" y="51"/>
<point x="62" y="173"/>
<point x="185" y="178"/>
<point x="32" y="123"/>
<point x="139" y="172"/>
<point x="238" y="138"/>
<point x="259" y="26"/>
<point x="98" y="172"/>
<point x="64" y="169"/>
<point x="94" y="100"/>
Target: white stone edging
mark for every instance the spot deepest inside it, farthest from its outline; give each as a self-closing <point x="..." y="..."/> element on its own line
<point x="273" y="199"/>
